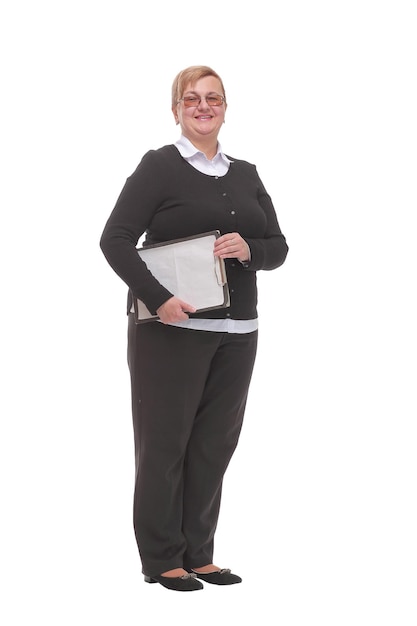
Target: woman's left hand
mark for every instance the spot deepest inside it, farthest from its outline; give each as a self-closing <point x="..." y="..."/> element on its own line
<point x="232" y="246"/>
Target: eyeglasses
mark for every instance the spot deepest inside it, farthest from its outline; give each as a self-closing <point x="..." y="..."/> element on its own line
<point x="194" y="101"/>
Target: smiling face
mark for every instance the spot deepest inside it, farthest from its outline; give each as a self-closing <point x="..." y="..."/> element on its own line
<point x="202" y="122"/>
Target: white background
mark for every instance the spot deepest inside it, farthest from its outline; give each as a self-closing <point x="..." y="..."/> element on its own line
<point x="319" y="510"/>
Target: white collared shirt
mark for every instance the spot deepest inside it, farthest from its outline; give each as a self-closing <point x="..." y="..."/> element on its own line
<point x="218" y="166"/>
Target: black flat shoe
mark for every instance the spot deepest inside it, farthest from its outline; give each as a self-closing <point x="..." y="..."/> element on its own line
<point x="221" y="577"/>
<point x="187" y="582"/>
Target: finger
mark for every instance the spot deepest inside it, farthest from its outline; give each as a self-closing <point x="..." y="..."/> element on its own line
<point x="225" y="239"/>
<point x="233" y="245"/>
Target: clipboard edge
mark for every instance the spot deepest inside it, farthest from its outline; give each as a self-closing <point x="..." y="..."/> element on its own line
<point x="215" y="233"/>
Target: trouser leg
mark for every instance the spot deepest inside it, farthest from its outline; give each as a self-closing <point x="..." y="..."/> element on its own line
<point x="169" y="367"/>
<point x="213" y="439"/>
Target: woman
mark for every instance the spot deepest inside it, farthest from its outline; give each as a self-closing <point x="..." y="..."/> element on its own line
<point x="190" y="372"/>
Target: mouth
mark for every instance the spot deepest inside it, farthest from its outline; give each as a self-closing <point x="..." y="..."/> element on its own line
<point x="203" y="118"/>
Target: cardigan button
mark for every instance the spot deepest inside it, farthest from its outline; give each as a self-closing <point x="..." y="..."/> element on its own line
<point x="232" y="212"/>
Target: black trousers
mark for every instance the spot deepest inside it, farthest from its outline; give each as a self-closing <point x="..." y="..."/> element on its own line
<point x="189" y="391"/>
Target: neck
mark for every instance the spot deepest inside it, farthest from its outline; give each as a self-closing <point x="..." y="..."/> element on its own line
<point x="208" y="146"/>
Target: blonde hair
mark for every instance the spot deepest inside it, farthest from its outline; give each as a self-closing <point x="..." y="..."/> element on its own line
<point x="191" y="75"/>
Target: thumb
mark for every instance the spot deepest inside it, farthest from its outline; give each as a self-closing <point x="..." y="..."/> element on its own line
<point x="187" y="307"/>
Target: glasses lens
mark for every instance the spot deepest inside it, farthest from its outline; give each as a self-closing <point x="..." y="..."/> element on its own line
<point x="214" y="101"/>
<point x="191" y="101"/>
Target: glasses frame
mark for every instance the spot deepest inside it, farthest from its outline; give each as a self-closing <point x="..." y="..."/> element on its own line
<point x="199" y="98"/>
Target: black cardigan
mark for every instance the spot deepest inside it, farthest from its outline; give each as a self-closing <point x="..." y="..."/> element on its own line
<point x="168" y="198"/>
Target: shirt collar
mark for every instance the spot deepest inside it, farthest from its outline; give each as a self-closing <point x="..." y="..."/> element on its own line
<point x="188" y="150"/>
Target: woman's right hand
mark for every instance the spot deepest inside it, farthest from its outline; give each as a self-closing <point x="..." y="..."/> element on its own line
<point x="174" y="310"/>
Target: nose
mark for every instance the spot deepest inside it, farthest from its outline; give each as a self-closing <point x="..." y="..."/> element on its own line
<point x="203" y="103"/>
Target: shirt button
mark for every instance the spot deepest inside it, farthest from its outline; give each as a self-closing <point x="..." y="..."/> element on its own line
<point x="216" y="177"/>
<point x="224" y="194"/>
<point x="232" y="212"/>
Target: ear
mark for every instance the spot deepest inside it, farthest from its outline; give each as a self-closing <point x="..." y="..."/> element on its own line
<point x="175" y="114"/>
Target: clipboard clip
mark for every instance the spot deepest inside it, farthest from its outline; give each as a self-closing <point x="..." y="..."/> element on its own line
<point x="220" y="271"/>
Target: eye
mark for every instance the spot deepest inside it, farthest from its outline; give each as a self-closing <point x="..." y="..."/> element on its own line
<point x="214" y="100"/>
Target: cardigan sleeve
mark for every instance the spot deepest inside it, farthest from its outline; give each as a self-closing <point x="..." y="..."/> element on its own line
<point x="129" y="219"/>
<point x="269" y="252"/>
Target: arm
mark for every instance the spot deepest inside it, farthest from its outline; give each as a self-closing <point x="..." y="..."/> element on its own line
<point x="131" y="216"/>
<point x="271" y="251"/>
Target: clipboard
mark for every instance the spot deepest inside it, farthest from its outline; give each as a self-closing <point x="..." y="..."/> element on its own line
<point x="188" y="269"/>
